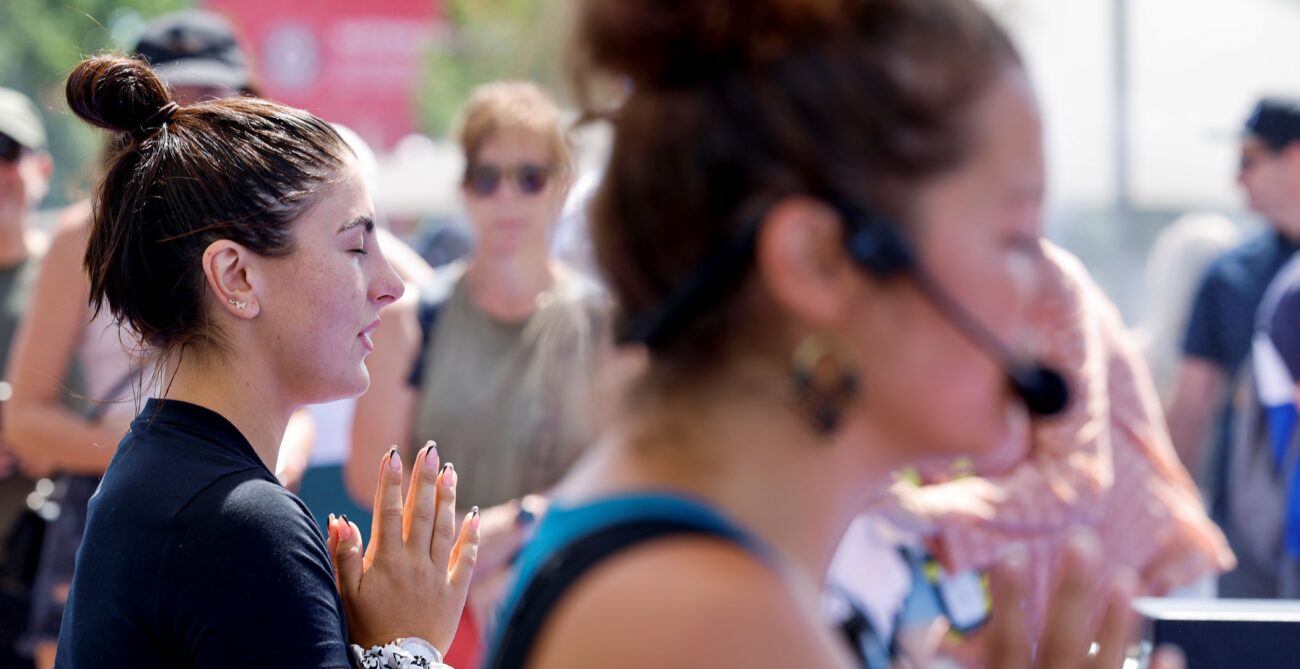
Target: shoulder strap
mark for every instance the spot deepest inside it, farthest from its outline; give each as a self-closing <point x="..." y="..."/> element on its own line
<point x="434" y="294"/>
<point x="565" y="568"/>
<point x="427" y="315"/>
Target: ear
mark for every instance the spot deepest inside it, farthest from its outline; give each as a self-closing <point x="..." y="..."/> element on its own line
<point x="801" y="257"/>
<point x="232" y="275"/>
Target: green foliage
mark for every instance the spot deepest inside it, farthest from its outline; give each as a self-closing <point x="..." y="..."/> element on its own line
<point x="40" y="42"/>
<point x="487" y="40"/>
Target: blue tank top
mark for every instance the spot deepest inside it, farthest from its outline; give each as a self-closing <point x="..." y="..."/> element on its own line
<point x="572" y="539"/>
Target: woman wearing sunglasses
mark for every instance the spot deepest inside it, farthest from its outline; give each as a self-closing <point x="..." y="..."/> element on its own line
<point x="495" y="361"/>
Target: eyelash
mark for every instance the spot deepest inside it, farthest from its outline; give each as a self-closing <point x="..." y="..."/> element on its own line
<point x="361" y="251"/>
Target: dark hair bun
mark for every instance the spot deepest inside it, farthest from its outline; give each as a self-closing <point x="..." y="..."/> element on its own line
<point x="663" y="43"/>
<point x="115" y="93"/>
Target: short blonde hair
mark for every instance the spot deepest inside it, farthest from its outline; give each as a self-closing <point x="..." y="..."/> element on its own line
<point x="514" y="105"/>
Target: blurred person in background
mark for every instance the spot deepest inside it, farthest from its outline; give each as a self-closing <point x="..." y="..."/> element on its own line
<point x="1222" y="320"/>
<point x="497" y="360"/>
<point x="1106" y="463"/>
<point x="25" y="171"/>
<point x="199" y="58"/>
<point x="1262" y="490"/>
<point x="442" y="240"/>
<point x="1177" y="262"/>
<point x="807" y="206"/>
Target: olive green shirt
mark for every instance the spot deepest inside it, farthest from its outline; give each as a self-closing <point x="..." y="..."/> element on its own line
<point x="510" y="403"/>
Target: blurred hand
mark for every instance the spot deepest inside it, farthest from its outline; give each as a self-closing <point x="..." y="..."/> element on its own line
<point x="920" y="509"/>
<point x="505" y="529"/>
<point x="415" y="574"/>
<point x="1068" y="638"/>
<point x="903" y="508"/>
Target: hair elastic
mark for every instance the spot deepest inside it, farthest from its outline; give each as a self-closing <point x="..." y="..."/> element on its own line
<point x="155" y="121"/>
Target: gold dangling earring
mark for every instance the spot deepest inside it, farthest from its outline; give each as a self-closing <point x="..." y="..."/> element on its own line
<point x="823" y="380"/>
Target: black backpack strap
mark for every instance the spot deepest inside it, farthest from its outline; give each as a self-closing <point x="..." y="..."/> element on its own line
<point x="565" y="568"/>
<point x="427" y="315"/>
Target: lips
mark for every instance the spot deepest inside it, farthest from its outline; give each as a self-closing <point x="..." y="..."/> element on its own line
<point x="511" y="224"/>
<point x="364" y="335"/>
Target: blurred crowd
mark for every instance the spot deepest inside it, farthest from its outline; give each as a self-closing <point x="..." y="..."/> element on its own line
<point x="528" y="342"/>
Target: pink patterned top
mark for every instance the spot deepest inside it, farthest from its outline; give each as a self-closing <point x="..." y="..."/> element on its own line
<point x="1107" y="462"/>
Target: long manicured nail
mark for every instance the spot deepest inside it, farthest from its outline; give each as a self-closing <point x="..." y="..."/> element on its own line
<point x="430" y="454"/>
<point x="448" y="474"/>
<point x="473" y="516"/>
<point x="394" y="460"/>
<point x="345" y="530"/>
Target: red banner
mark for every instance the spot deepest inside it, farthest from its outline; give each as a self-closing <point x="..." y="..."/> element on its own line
<point x="348" y="61"/>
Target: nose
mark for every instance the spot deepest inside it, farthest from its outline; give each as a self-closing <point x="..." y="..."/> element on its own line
<point x="509" y="190"/>
<point x="385" y="286"/>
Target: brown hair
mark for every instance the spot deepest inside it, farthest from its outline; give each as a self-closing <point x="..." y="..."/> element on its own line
<point x="241" y="169"/>
<point x="513" y="105"/>
<point x="730" y="104"/>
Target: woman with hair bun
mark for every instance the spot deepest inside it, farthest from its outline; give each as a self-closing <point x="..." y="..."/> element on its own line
<point x="822" y="220"/>
<point x="60" y="351"/>
<point x="235" y="237"/>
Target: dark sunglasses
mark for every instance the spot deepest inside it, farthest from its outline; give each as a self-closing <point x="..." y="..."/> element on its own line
<point x="10" y="149"/>
<point x="484" y="180"/>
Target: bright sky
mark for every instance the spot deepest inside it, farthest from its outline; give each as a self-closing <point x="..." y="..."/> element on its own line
<point x="1196" y="68"/>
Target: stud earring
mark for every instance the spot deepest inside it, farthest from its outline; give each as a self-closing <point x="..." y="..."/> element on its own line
<point x="823" y="380"/>
<point x="238" y="305"/>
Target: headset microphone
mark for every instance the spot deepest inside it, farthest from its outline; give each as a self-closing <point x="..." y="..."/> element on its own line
<point x="878" y="247"/>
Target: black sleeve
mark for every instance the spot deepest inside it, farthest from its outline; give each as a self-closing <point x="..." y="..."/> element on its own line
<point x="1206" y="322"/>
<point x="249" y="583"/>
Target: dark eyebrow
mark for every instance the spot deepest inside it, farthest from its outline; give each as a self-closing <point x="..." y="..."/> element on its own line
<point x="360" y="220"/>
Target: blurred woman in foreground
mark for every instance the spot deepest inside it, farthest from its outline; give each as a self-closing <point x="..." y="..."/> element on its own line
<point x="801" y="195"/>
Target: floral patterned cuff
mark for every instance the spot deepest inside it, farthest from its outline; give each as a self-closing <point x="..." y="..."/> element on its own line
<point x="405" y="653"/>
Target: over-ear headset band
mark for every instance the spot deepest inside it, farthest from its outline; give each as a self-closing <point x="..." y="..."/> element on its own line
<point x="877" y="245"/>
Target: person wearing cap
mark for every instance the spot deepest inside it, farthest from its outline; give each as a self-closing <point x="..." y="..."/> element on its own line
<point x="1222" y="320"/>
<point x="1270" y="542"/>
<point x="25" y="171"/>
<point x="196" y="52"/>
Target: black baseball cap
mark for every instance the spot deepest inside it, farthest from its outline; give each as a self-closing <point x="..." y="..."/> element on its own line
<point x="1274" y="121"/>
<point x="194" y="48"/>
